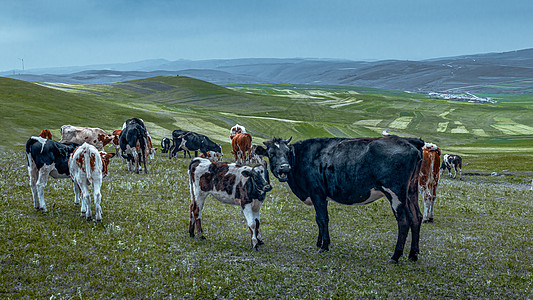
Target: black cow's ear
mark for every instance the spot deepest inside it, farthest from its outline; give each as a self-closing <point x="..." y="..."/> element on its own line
<point x="261" y="151"/>
<point x="246" y="173"/>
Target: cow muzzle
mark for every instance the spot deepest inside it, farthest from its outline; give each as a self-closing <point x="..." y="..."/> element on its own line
<point x="283" y="172"/>
<point x="267" y="188"/>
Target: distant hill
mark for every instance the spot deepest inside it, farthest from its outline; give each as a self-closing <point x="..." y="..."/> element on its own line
<point x="490" y="73"/>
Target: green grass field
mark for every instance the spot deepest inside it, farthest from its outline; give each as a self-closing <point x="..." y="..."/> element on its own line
<point x="480" y="245"/>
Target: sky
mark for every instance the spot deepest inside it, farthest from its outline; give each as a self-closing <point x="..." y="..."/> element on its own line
<point x="57" y="33"/>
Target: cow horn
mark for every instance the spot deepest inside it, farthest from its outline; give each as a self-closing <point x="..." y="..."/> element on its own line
<point x="289" y="140"/>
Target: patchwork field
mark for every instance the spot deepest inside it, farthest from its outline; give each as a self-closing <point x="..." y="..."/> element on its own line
<point x="479" y="246"/>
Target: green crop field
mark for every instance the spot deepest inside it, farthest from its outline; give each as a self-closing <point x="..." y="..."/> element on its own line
<point x="479" y="246"/>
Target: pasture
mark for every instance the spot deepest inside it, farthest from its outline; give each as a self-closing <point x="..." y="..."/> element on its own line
<point x="479" y="246"/>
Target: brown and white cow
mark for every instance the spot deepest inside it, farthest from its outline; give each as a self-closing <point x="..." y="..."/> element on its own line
<point x="236" y="130"/>
<point x="241" y="144"/>
<point x="428" y="179"/>
<point x="452" y="161"/>
<point x="212" y="156"/>
<point x="88" y="166"/>
<point x="46" y="134"/>
<point x="231" y="184"/>
<point x="79" y="135"/>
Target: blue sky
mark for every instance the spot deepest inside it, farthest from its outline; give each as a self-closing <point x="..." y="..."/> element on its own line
<point x="56" y="33"/>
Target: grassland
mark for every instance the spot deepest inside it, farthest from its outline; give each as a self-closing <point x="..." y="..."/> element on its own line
<point x="479" y="246"/>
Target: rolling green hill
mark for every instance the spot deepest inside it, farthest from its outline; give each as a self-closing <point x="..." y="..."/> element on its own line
<point x="267" y="110"/>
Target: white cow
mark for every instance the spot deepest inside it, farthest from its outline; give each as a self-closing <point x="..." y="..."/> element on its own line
<point x="87" y="167"/>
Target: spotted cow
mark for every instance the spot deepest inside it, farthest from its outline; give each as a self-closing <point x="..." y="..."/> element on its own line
<point x="428" y="179"/>
<point x="88" y="166"/>
<point x="236" y="130"/>
<point x="231" y="184"/>
<point x="452" y="162"/>
<point x="165" y="145"/>
<point x="79" y="135"/>
<point x="46" y="158"/>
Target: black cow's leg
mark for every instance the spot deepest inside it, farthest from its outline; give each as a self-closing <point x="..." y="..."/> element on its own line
<point x="322" y="220"/>
<point x="415" y="217"/>
<point x="403" y="231"/>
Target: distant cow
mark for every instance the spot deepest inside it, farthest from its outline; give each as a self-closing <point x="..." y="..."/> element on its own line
<point x="88" y="166"/>
<point x="212" y="156"/>
<point x="231" y="184"/>
<point x="236" y="130"/>
<point x="452" y="161"/>
<point x="46" y="134"/>
<point x="46" y="158"/>
<point x="133" y="144"/>
<point x="165" y="145"/>
<point x="79" y="135"/>
<point x="429" y="179"/>
<point x="177" y="136"/>
<point x="192" y="141"/>
<point x="241" y="144"/>
<point x="353" y="171"/>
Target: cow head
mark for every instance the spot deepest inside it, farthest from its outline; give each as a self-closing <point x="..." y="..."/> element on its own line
<point x="105" y="161"/>
<point x="278" y="152"/>
<point x="259" y="184"/>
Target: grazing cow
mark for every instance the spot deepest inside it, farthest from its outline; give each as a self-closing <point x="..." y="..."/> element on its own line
<point x="452" y="161"/>
<point x="165" y="145"/>
<point x="429" y="179"/>
<point x="177" y="136"/>
<point x="116" y="134"/>
<point x="353" y="171"/>
<point x="46" y="158"/>
<point x="133" y="144"/>
<point x="79" y="135"/>
<point x="242" y="144"/>
<point x="236" y="130"/>
<point x="212" y="156"/>
<point x="192" y="141"/>
<point x="88" y="166"/>
<point x="46" y="134"/>
<point x="231" y="184"/>
<point x="150" y="150"/>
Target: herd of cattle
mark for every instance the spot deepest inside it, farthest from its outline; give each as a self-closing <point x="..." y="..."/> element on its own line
<point x="351" y="171"/>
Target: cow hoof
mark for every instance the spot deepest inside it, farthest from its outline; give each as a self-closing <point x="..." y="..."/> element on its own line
<point x="260" y="242"/>
<point x="322" y="250"/>
<point x="430" y="220"/>
<point x="392" y="261"/>
<point x="413" y="258"/>
<point x="256" y="247"/>
<point x="89" y="219"/>
<point x="202" y="237"/>
<point x="98" y="220"/>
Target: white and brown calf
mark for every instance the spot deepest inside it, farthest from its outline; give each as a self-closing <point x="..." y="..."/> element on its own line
<point x="79" y="135"/>
<point x="231" y="184"/>
<point x="428" y="179"/>
<point x="88" y="166"/>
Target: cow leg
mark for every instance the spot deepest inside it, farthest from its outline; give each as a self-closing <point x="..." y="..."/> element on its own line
<point x="77" y="192"/>
<point x="400" y="210"/>
<point x="86" y="201"/>
<point x="322" y="220"/>
<point x="34" y="176"/>
<point x="97" y="196"/>
<point x="41" y="184"/>
<point x="415" y="216"/>
<point x="196" y="207"/>
<point x="251" y="213"/>
<point x="428" y="207"/>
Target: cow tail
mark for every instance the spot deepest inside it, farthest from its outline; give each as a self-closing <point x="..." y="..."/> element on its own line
<point x="87" y="161"/>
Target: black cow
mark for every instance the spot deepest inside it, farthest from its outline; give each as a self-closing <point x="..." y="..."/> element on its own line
<point x="165" y="145"/>
<point x="176" y="144"/>
<point x="353" y="171"/>
<point x="192" y="141"/>
<point x="452" y="161"/>
<point x="46" y="158"/>
<point x="133" y="143"/>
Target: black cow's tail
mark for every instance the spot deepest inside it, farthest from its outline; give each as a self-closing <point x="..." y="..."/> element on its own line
<point x="29" y="143"/>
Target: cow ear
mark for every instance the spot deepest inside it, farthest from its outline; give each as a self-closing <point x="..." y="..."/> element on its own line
<point x="261" y="151"/>
<point x="289" y="140"/>
<point x="246" y="173"/>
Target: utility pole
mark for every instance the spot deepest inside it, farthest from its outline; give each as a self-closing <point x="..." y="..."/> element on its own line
<point x="22" y="61"/>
